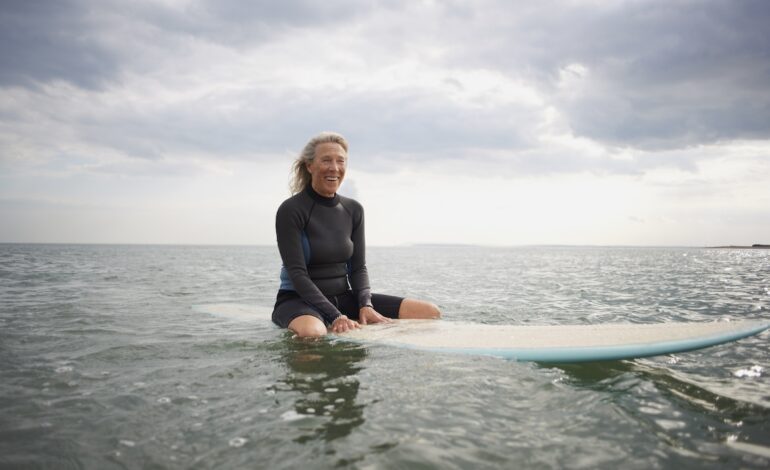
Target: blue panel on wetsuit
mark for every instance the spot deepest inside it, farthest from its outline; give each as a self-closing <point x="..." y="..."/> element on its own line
<point x="286" y="283"/>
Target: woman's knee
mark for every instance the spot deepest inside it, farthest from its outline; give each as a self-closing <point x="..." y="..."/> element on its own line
<point x="418" y="309"/>
<point x="308" y="326"/>
<point x="432" y="310"/>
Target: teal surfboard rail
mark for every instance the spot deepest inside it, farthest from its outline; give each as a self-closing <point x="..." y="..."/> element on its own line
<point x="611" y="353"/>
<point x="588" y="353"/>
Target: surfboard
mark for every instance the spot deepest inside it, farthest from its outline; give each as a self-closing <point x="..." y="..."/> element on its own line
<point x="555" y="343"/>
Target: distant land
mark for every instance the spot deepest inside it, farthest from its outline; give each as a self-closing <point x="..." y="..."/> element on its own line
<point x="755" y="246"/>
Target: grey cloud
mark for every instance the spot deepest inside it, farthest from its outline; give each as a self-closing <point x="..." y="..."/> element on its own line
<point x="242" y="24"/>
<point x="429" y="124"/>
<point x="42" y="41"/>
<point x="702" y="76"/>
<point x="88" y="43"/>
<point x="661" y="74"/>
<point x="407" y="127"/>
<point x="291" y="12"/>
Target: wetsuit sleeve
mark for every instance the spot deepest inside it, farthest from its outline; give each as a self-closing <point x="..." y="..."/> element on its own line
<point x="288" y="228"/>
<point x="359" y="276"/>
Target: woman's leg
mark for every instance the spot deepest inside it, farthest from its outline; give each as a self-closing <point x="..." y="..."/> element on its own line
<point x="418" y="309"/>
<point x="307" y="326"/>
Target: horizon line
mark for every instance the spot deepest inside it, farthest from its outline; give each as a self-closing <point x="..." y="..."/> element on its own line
<point x="401" y="245"/>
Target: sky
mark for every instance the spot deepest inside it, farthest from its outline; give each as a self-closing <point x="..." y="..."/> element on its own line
<point x="470" y="122"/>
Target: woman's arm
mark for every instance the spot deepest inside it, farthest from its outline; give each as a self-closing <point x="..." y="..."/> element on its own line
<point x="359" y="276"/>
<point x="289" y="224"/>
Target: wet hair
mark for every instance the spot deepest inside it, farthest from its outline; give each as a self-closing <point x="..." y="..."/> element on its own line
<point x="300" y="176"/>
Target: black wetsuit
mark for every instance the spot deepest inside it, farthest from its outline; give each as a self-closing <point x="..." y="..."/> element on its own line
<point x="321" y="241"/>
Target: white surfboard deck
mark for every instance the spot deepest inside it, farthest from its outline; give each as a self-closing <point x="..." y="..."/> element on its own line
<point x="557" y="343"/>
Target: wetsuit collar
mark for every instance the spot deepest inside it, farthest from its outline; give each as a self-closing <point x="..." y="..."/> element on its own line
<point x="326" y="201"/>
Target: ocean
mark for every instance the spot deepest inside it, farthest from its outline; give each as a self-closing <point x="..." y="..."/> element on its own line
<point x="112" y="357"/>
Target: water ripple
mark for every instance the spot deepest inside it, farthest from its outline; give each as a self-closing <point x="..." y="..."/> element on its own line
<point x="107" y="364"/>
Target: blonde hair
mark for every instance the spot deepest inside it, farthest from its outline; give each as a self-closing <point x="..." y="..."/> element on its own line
<point x="300" y="176"/>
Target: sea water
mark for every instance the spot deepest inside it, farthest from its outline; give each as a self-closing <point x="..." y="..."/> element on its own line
<point x="110" y="358"/>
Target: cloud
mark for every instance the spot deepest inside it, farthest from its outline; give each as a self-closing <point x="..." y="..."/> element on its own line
<point x="656" y="74"/>
<point x="89" y="43"/>
<point x="407" y="126"/>
<point x="44" y="41"/>
<point x="561" y="87"/>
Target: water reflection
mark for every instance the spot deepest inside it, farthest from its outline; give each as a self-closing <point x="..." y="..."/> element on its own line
<point x="686" y="415"/>
<point x="324" y="373"/>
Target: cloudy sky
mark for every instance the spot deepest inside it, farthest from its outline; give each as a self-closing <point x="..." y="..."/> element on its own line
<point x="481" y="122"/>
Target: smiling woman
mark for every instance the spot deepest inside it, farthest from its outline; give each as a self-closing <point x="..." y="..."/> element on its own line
<point x="327" y="169"/>
<point x="324" y="280"/>
<point x="325" y="147"/>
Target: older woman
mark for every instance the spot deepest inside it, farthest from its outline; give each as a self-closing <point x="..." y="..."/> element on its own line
<point x="324" y="282"/>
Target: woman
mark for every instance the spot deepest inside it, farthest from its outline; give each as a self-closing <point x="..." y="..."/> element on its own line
<point x="324" y="282"/>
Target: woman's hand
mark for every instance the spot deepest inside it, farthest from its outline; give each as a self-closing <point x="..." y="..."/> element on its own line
<point x="342" y="324"/>
<point x="370" y="315"/>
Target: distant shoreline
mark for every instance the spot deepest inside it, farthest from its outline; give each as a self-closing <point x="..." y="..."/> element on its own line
<point x="756" y="246"/>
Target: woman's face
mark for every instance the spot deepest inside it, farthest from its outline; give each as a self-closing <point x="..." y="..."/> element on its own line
<point x="327" y="168"/>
